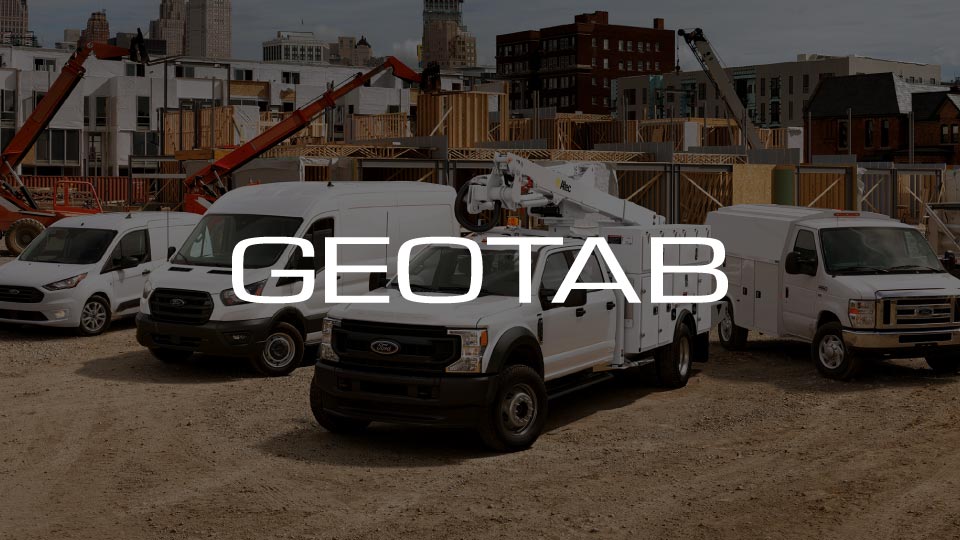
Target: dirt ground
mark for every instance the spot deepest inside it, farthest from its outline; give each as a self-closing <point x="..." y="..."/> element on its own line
<point x="98" y="440"/>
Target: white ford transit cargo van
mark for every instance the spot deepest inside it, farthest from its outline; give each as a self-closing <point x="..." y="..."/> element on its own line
<point x="84" y="271"/>
<point x="190" y="306"/>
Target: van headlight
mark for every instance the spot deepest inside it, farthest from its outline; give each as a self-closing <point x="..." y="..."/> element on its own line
<point x="326" y="340"/>
<point x="64" y="284"/>
<point x="229" y="298"/>
<point x="473" y="343"/>
<point x="862" y="313"/>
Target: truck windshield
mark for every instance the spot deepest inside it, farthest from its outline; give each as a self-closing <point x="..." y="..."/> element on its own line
<point x="447" y="270"/>
<point x="877" y="250"/>
<point x="63" y="245"/>
<point x="212" y="242"/>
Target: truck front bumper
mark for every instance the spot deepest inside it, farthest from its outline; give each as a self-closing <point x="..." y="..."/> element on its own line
<point x="903" y="343"/>
<point x="221" y="338"/>
<point x="453" y="401"/>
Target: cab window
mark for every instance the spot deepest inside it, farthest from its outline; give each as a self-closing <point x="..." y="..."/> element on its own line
<point x="592" y="273"/>
<point x="806" y="245"/>
<point x="135" y="245"/>
<point x="555" y="269"/>
<point x="317" y="235"/>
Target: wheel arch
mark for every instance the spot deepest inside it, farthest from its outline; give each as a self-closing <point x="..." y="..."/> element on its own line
<point x="293" y="317"/>
<point x="826" y="317"/>
<point x="513" y="343"/>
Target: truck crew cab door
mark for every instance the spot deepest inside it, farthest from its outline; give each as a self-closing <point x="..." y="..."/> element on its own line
<point x="575" y="338"/>
<point x="801" y="295"/>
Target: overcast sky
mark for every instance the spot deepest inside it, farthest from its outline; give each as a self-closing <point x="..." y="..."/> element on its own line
<point x="743" y="31"/>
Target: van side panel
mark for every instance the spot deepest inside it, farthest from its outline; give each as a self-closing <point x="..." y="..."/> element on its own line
<point x="767" y="306"/>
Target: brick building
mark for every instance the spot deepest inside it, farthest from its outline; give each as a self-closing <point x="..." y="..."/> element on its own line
<point x="98" y="29"/>
<point x="573" y="66"/>
<point x="870" y="116"/>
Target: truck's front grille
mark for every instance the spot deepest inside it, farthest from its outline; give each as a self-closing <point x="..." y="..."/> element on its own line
<point x="424" y="349"/>
<point x="20" y="295"/>
<point x="919" y="313"/>
<point x="183" y="307"/>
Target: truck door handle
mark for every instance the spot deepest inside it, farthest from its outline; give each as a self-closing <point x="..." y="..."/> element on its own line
<point x="581" y="312"/>
<point x="744" y="291"/>
<point x="758" y="294"/>
<point x="611" y="305"/>
<point x="787" y="291"/>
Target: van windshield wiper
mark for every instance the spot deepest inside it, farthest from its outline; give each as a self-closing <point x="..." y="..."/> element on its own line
<point x="917" y="267"/>
<point x="862" y="269"/>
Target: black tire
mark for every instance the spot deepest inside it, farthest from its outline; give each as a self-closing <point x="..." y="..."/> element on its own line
<point x="334" y="424"/>
<point x="675" y="361"/>
<point x="831" y="355"/>
<point x="515" y="418"/>
<point x="281" y="353"/>
<point x="944" y="365"/>
<point x="20" y="233"/>
<point x="170" y="356"/>
<point x="94" y="317"/>
<point x="732" y="337"/>
<point x="474" y="223"/>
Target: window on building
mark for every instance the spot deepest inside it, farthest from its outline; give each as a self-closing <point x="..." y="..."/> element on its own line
<point x="657" y="67"/>
<point x="806" y="83"/>
<point x="868" y="134"/>
<point x="620" y="65"/>
<point x="763" y="87"/>
<point x="44" y="64"/>
<point x="629" y="46"/>
<point x="606" y="44"/>
<point x="842" y="134"/>
<point x="185" y="72"/>
<point x="143" y="112"/>
<point x="629" y="65"/>
<point x="944" y="134"/>
<point x="146" y="143"/>
<point x="594" y="42"/>
<point x="885" y="134"/>
<point x="643" y="96"/>
<point x="656" y="46"/>
<point x="620" y="46"/>
<point x="606" y="102"/>
<point x="790" y="111"/>
<point x="135" y="70"/>
<point x="606" y="82"/>
<point x="606" y="63"/>
<point x="58" y="146"/>
<point x="8" y="106"/>
<point x="37" y="98"/>
<point x="593" y="62"/>
<point x="763" y="113"/>
<point x="243" y="74"/>
<point x="955" y="134"/>
<point x="702" y="91"/>
<point x="790" y="85"/>
<point x="593" y="100"/>
<point x="290" y="77"/>
<point x="775" y="87"/>
<point x="101" y="110"/>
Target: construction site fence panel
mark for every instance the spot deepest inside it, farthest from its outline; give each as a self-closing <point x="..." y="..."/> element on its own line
<point x="116" y="192"/>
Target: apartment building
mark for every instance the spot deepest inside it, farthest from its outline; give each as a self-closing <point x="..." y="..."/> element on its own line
<point x="116" y="110"/>
<point x="572" y="67"/>
<point x="775" y="95"/>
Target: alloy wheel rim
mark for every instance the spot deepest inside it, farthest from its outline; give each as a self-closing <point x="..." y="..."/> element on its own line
<point x="726" y="323"/>
<point x="684" y="357"/>
<point x="831" y="352"/>
<point x="519" y="409"/>
<point x="94" y="316"/>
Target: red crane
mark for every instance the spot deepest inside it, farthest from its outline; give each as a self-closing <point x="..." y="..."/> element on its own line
<point x="208" y="184"/>
<point x="21" y="219"/>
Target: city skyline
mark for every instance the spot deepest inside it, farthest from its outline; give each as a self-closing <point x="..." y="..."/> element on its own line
<point x="916" y="32"/>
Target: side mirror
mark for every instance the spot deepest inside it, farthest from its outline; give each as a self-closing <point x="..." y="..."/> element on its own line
<point x="378" y="280"/>
<point x="949" y="260"/>
<point x="796" y="264"/>
<point x="171" y="251"/>
<point x="122" y="263"/>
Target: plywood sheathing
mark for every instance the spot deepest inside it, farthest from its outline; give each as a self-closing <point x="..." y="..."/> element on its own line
<point x="187" y="129"/>
<point x="753" y="184"/>
<point x="463" y="117"/>
<point x="379" y="126"/>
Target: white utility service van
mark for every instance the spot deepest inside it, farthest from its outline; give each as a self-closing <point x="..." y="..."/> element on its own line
<point x="854" y="284"/>
<point x="189" y="305"/>
<point x="491" y="363"/>
<point x="84" y="271"/>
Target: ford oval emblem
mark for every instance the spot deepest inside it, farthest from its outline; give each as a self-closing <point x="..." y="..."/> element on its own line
<point x="178" y="302"/>
<point x="385" y="347"/>
<point x="926" y="312"/>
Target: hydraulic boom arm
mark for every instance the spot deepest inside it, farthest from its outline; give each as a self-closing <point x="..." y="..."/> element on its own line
<point x="563" y="194"/>
<point x="43" y="114"/>
<point x="209" y="182"/>
<point x="703" y="51"/>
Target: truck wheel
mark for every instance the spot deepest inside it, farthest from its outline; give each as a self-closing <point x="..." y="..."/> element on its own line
<point x="944" y="365"/>
<point x="94" y="317"/>
<point x="831" y="355"/>
<point x="334" y="424"/>
<point x="674" y="361"/>
<point x="281" y="353"/>
<point x="732" y="337"/>
<point x="170" y="356"/>
<point x="21" y="233"/>
<point x="479" y="223"/>
<point x="516" y="416"/>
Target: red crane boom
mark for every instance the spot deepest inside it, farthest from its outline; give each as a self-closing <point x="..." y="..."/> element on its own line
<point x="208" y="184"/>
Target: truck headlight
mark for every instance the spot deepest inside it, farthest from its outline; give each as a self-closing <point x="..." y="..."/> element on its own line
<point x="862" y="313"/>
<point x="472" y="345"/>
<point x="326" y="340"/>
<point x="229" y="298"/>
<point x="63" y="284"/>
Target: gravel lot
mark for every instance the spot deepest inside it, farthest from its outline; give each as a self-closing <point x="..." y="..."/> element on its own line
<point x="101" y="441"/>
